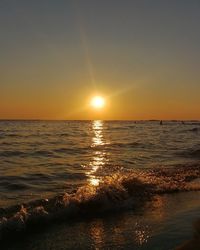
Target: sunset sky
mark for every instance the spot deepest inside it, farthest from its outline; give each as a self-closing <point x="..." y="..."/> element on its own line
<point x="142" y="56"/>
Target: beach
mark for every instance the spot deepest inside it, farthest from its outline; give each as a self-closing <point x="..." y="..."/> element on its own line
<point x="99" y="184"/>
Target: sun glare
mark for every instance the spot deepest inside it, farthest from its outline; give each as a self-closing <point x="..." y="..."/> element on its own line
<point x="97" y="102"/>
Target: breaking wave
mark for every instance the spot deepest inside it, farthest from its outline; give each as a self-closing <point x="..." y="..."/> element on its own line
<point x="117" y="192"/>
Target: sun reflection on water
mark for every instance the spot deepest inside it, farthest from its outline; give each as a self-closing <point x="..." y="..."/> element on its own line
<point x="97" y="233"/>
<point x="99" y="157"/>
<point x="97" y="128"/>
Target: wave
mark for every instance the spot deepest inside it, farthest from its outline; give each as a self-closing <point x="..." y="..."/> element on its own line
<point x="46" y="153"/>
<point x="117" y="192"/>
<point x="195" y="129"/>
<point x="9" y="153"/>
<point x="119" y="145"/>
<point x="71" y="150"/>
<point x="193" y="123"/>
<point x="191" y="153"/>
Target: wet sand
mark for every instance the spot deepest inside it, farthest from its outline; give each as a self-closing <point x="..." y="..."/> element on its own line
<point x="193" y="244"/>
<point x="164" y="223"/>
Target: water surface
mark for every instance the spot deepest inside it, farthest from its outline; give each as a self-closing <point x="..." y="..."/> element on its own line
<point x="43" y="158"/>
<point x="117" y="184"/>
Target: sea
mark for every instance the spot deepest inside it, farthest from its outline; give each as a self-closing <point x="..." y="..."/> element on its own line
<point x="99" y="184"/>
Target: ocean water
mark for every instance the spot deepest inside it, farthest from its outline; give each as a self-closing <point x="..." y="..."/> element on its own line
<point x="43" y="158"/>
<point x="64" y="169"/>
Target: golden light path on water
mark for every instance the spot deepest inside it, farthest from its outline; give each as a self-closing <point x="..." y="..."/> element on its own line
<point x="139" y="232"/>
<point x="99" y="157"/>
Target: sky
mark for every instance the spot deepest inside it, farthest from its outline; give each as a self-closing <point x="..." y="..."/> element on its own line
<point x="142" y="56"/>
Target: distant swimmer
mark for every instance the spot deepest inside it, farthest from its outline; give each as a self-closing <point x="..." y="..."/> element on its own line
<point x="161" y="123"/>
<point x="183" y="122"/>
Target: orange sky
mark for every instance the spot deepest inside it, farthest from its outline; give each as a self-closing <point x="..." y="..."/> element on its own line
<point x="143" y="58"/>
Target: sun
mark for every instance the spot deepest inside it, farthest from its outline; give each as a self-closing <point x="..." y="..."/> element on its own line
<point x="97" y="102"/>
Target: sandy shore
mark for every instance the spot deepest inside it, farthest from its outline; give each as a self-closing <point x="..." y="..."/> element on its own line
<point x="164" y="223"/>
<point x="193" y="244"/>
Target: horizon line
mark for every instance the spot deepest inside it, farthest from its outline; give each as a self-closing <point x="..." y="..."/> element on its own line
<point x="35" y="119"/>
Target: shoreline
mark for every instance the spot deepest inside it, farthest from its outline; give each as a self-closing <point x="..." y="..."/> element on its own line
<point x="116" y="194"/>
<point x="150" y="226"/>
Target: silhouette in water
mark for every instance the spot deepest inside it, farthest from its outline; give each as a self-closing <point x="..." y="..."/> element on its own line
<point x="161" y="123"/>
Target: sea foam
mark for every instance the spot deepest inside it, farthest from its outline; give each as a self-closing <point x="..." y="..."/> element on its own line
<point x="116" y="192"/>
